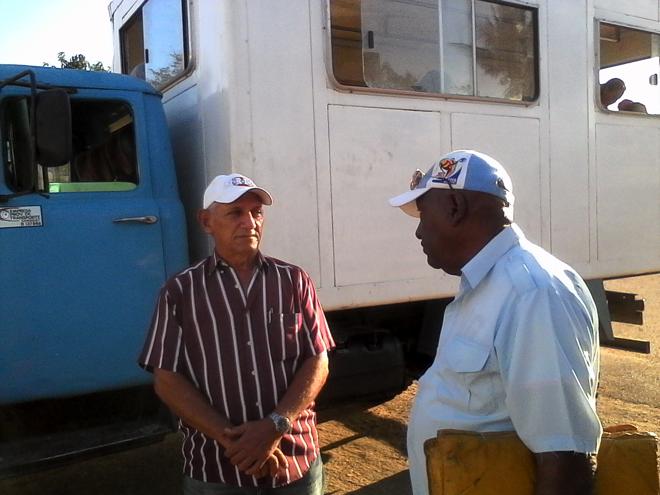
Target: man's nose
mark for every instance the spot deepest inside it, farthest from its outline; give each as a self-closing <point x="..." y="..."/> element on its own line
<point x="249" y="220"/>
<point x="418" y="232"/>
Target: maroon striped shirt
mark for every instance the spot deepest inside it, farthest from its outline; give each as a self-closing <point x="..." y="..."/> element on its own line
<point x="241" y="349"/>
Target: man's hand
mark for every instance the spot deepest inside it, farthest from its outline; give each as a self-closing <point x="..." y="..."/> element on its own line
<point x="564" y="473"/>
<point x="273" y="464"/>
<point x="252" y="444"/>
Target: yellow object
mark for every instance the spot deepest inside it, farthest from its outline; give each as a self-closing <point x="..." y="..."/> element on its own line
<point x="469" y="463"/>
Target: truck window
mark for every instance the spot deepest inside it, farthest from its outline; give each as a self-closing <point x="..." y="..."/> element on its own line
<point x="16" y="144"/>
<point x="449" y="47"/>
<point x="104" y="157"/>
<point x="629" y="64"/>
<point x="153" y="42"/>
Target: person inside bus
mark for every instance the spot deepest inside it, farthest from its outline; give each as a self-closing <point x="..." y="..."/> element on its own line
<point x="238" y="346"/>
<point x="611" y="91"/>
<point x="632" y="106"/>
<point x="518" y="348"/>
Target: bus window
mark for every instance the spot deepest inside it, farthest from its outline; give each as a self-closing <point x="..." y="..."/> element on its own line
<point x="436" y="46"/>
<point x="153" y="42"/>
<point x="628" y="70"/>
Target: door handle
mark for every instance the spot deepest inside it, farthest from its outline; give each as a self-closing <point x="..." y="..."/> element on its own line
<point x="148" y="219"/>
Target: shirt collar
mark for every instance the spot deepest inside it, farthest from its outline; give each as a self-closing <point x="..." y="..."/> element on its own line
<point x="478" y="267"/>
<point x="215" y="262"/>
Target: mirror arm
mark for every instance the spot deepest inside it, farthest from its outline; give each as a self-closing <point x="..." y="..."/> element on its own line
<point x="14" y="81"/>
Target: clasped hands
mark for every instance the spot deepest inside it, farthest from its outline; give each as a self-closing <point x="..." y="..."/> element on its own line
<point x="253" y="447"/>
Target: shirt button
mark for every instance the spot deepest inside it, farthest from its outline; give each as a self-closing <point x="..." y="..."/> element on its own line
<point x="249" y="343"/>
<point x="258" y="404"/>
<point x="252" y="372"/>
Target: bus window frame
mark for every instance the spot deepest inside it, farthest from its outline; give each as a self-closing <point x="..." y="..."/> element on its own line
<point x="189" y="48"/>
<point x="598" y="20"/>
<point x="346" y="88"/>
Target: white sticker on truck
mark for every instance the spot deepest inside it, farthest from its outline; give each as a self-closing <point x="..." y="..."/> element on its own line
<point x="21" y="216"/>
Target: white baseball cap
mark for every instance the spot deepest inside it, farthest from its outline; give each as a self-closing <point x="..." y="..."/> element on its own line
<point x="228" y="188"/>
<point x="461" y="169"/>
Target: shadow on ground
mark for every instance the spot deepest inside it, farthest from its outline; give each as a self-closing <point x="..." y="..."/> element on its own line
<point x="152" y="469"/>
<point x="358" y="418"/>
<point x="398" y="483"/>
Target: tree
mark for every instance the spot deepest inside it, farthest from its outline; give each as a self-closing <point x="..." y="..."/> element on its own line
<point x="161" y="76"/>
<point x="505" y="49"/>
<point x="78" y="62"/>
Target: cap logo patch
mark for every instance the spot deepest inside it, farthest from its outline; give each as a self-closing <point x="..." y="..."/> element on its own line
<point x="242" y="182"/>
<point x="416" y="179"/>
<point x="448" y="171"/>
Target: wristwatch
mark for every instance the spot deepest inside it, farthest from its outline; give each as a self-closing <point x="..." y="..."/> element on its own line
<point x="282" y="423"/>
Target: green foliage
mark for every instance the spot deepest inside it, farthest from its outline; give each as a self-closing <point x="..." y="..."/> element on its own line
<point x="78" y="62"/>
<point x="161" y="76"/>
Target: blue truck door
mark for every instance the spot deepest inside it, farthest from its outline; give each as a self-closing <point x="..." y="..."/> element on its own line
<point x="80" y="270"/>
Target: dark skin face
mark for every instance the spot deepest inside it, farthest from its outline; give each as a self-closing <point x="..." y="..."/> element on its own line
<point x="455" y="225"/>
<point x="439" y="230"/>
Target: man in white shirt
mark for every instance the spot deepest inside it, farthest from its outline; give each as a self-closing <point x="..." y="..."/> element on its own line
<point x="518" y="349"/>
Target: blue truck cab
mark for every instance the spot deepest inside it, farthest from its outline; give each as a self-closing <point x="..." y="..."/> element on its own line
<point x="91" y="225"/>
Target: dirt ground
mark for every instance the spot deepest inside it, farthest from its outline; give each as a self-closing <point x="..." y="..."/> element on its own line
<point x="364" y="447"/>
<point x="362" y="444"/>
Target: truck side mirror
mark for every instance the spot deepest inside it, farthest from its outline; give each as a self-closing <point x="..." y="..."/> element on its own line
<point x="53" y="128"/>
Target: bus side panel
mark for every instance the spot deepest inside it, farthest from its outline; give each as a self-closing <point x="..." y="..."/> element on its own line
<point x="628" y="160"/>
<point x="373" y="154"/>
<point x="569" y="149"/>
<point x="282" y="123"/>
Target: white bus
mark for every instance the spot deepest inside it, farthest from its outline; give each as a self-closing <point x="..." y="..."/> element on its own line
<point x="332" y="104"/>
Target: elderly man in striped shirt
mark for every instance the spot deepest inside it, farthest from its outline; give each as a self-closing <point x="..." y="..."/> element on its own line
<point x="238" y="347"/>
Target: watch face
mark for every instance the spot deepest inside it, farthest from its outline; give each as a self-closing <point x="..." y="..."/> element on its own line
<point x="282" y="424"/>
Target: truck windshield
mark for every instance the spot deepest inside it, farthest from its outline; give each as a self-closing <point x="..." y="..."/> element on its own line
<point x="104" y="157"/>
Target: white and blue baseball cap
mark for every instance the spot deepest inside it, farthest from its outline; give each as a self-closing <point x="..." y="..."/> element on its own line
<point x="228" y="188"/>
<point x="462" y="169"/>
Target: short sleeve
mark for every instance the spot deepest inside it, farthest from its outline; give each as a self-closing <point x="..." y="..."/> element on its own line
<point x="548" y="356"/>
<point x="318" y="338"/>
<point x="162" y="347"/>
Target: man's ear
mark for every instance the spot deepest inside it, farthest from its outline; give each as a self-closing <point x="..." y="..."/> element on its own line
<point x="203" y="219"/>
<point x="459" y="208"/>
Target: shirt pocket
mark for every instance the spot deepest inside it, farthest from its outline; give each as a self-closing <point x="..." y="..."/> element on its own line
<point x="466" y="356"/>
<point x="284" y="335"/>
<point x="471" y="375"/>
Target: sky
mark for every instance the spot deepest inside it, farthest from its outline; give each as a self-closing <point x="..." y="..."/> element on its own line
<point x="34" y="31"/>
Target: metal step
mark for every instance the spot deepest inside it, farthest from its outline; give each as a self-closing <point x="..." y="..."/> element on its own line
<point x="28" y="455"/>
<point x="617" y="306"/>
